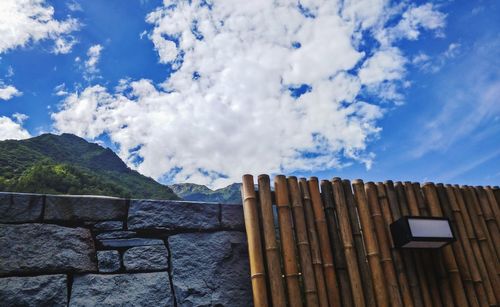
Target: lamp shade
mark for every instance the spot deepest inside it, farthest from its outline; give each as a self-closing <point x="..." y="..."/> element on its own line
<point x="421" y="232"/>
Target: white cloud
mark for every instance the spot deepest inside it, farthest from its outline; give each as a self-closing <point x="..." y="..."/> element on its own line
<point x="26" y="21"/>
<point x="20" y="118"/>
<point x="93" y="54"/>
<point x="227" y="109"/>
<point x="432" y="65"/>
<point x="11" y="130"/>
<point x="74" y="6"/>
<point x="63" y="45"/>
<point x="8" y="92"/>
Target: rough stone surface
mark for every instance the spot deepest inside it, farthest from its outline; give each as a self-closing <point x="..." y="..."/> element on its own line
<point x="45" y="248"/>
<point x="109" y="225"/>
<point x="150" y="214"/>
<point x="115" y="243"/>
<point x="109" y="261"/>
<point x="144" y="258"/>
<point x="45" y="290"/>
<point x="20" y="208"/>
<point x="116" y="235"/>
<point x="211" y="269"/>
<point x="232" y="217"/>
<point x="84" y="208"/>
<point x="141" y="289"/>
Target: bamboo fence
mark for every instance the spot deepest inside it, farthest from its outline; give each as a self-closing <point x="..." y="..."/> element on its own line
<point x="334" y="246"/>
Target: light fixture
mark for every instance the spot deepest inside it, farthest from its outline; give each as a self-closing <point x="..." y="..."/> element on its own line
<point x="421" y="232"/>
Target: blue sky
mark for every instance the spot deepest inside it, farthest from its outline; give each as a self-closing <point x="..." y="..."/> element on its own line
<point x="206" y="91"/>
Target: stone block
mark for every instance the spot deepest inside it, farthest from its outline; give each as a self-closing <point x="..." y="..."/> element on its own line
<point x="44" y="248"/>
<point x="211" y="269"/>
<point x="152" y="214"/>
<point x="43" y="290"/>
<point x="109" y="225"/>
<point x="116" y="243"/>
<point x="146" y="258"/>
<point x="20" y="208"/>
<point x="116" y="235"/>
<point x="69" y="208"/>
<point x="232" y="217"/>
<point x="109" y="261"/>
<point x="141" y="289"/>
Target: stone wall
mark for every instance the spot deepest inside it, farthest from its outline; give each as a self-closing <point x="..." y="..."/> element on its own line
<point x="104" y="251"/>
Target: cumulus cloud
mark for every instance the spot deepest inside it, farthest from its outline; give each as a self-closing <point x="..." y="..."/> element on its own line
<point x="26" y="21"/>
<point x="12" y="130"/>
<point x="8" y="92"/>
<point x="256" y="87"/>
<point x="93" y="54"/>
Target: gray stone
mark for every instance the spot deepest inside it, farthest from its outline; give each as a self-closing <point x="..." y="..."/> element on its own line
<point x="44" y="290"/>
<point x="146" y="258"/>
<point x="116" y="235"/>
<point x="109" y="261"/>
<point x="84" y="208"/>
<point x="232" y="217"/>
<point x="114" y="243"/>
<point x="211" y="269"/>
<point x="31" y="248"/>
<point x="150" y="214"/>
<point x="141" y="289"/>
<point x="20" y="208"/>
<point x="109" y="225"/>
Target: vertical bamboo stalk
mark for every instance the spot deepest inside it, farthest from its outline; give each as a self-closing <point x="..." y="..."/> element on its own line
<point x="287" y="241"/>
<point x="408" y="257"/>
<point x="314" y="242"/>
<point x="494" y="205"/>
<point x="396" y="255"/>
<point x="383" y="242"/>
<point x="489" y="219"/>
<point x="461" y="196"/>
<point x="359" y="251"/>
<point x="448" y="255"/>
<point x="338" y="254"/>
<point x="426" y="278"/>
<point x="489" y="260"/>
<point x="468" y="251"/>
<point x="351" y="255"/>
<point x="479" y="212"/>
<point x="324" y="243"/>
<point x="434" y="257"/>
<point x="255" y="254"/>
<point x="309" y="282"/>
<point x="371" y="244"/>
<point x="271" y="245"/>
<point x="457" y="247"/>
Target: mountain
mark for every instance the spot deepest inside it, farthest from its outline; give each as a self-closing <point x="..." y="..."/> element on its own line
<point x="68" y="164"/>
<point x="196" y="192"/>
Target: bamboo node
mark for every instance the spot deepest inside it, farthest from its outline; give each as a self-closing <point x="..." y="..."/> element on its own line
<point x="372" y="254"/>
<point x="327" y="265"/>
<point x="258" y="275"/>
<point x="271" y="248"/>
<point x="249" y="197"/>
<point x="303" y="243"/>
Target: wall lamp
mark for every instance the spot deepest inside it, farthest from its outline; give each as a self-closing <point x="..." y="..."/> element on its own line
<point x="421" y="232"/>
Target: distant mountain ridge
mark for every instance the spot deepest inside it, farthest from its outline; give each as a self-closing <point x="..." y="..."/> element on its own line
<point x="197" y="192"/>
<point x="68" y="164"/>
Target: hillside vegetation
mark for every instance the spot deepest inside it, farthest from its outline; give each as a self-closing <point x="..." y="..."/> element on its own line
<point x="67" y="164"/>
<point x="196" y="192"/>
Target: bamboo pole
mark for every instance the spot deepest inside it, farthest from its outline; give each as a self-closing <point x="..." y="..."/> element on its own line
<point x="383" y="242"/>
<point x="479" y="213"/>
<point x="449" y="257"/>
<point x="494" y="206"/>
<point x="324" y="243"/>
<point x="314" y="242"/>
<point x="428" y="285"/>
<point x="408" y="257"/>
<point x="489" y="260"/>
<point x="255" y="254"/>
<point x="311" y="295"/>
<point x="287" y="241"/>
<point x="457" y="247"/>
<point x="271" y="245"/>
<point x="351" y="255"/>
<point x="371" y="244"/>
<point x="461" y="196"/>
<point x="489" y="218"/>
<point x="364" y="268"/>
<point x="338" y="254"/>
<point x="467" y="246"/>
<point x="396" y="255"/>
<point x="434" y="258"/>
